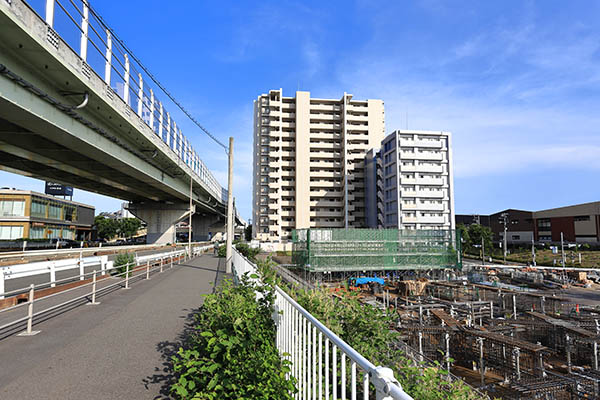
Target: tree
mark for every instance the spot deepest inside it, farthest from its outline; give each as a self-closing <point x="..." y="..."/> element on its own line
<point x="477" y="232"/>
<point x="127" y="227"/>
<point x="107" y="228"/>
<point x="464" y="235"/>
<point x="248" y="233"/>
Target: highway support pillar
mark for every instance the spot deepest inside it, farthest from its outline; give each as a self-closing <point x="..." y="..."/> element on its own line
<point x="160" y="219"/>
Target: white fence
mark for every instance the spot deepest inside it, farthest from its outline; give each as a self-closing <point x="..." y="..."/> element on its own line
<point x="314" y="352"/>
<point x="151" y="263"/>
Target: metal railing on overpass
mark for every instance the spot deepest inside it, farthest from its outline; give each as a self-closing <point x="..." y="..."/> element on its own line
<point x="137" y="270"/>
<point x="79" y="25"/>
<point x="314" y="352"/>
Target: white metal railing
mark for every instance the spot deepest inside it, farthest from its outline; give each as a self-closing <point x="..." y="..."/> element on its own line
<point x="103" y="53"/>
<point x="151" y="263"/>
<point x="314" y="352"/>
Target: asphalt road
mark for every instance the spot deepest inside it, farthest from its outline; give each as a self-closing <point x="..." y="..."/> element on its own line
<point x="118" y="349"/>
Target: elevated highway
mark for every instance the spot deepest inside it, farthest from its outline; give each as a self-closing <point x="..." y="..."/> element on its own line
<point x="91" y="118"/>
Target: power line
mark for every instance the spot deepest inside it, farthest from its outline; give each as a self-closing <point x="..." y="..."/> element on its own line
<point x="181" y="107"/>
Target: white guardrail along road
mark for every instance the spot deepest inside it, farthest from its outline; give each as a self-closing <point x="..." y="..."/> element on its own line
<point x="314" y="351"/>
<point x="141" y="268"/>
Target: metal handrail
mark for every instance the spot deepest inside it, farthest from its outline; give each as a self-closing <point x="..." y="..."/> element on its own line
<point x="144" y="271"/>
<point x="296" y="326"/>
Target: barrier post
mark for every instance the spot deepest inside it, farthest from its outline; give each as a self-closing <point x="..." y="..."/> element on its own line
<point x="171" y="260"/>
<point x="162" y="262"/>
<point x="94" y="290"/>
<point x="29" y="331"/>
<point x="53" y="274"/>
<point x="1" y="284"/>
<point x="127" y="277"/>
<point x="148" y="269"/>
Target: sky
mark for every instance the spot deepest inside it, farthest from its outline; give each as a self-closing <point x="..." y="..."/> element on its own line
<point x="516" y="82"/>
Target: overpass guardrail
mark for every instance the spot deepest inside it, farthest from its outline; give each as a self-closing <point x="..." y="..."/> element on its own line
<point x="314" y="351"/>
<point x="74" y="25"/>
<point x="141" y="268"/>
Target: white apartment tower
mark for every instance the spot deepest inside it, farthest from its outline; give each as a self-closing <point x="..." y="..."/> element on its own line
<point x="417" y="180"/>
<point x="309" y="167"/>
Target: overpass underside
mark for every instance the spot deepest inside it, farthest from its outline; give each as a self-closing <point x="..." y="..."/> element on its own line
<point x="102" y="147"/>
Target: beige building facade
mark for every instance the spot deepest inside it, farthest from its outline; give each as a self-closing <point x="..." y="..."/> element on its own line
<point x="309" y="169"/>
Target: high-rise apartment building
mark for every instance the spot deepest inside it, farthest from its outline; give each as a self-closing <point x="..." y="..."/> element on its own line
<point x="417" y="180"/>
<point x="309" y="169"/>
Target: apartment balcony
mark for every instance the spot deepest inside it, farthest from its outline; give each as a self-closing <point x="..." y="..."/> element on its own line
<point x="430" y="220"/>
<point x="358" y="118"/>
<point x="285" y="203"/>
<point x="325" y="184"/>
<point x="287" y="153"/>
<point x="326" y="203"/>
<point x="408" y="181"/>
<point x="326" y="107"/>
<point x="408" y="220"/>
<point x="326" y="136"/>
<point x="326" y="174"/>
<point x="408" y="193"/>
<point x="324" y="214"/>
<point x="325" y="146"/>
<point x="425" y="168"/>
<point x="328" y="164"/>
<point x="432" y="194"/>
<point x="287" y="114"/>
<point x="428" y="207"/>
<point x="288" y="125"/>
<point x="429" y="156"/>
<point x="325" y="125"/>
<point x="287" y="163"/>
<point x="288" y="213"/>
<point x="325" y="224"/>
<point x="431" y="181"/>
<point x="421" y="143"/>
<point x="274" y="164"/>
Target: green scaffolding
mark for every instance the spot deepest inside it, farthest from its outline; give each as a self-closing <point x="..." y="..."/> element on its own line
<point x="330" y="250"/>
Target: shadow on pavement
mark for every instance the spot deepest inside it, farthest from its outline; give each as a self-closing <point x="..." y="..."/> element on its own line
<point x="164" y="374"/>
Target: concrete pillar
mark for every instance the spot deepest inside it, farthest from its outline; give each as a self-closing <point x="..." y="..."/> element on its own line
<point x="204" y="224"/>
<point x="160" y="219"/>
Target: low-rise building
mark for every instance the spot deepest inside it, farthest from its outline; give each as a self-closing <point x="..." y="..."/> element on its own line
<point x="578" y="223"/>
<point x="31" y="215"/>
<point x="519" y="226"/>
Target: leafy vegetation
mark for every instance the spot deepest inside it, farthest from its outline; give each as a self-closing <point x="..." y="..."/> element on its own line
<point x="247" y="251"/>
<point x="367" y="330"/>
<point x="108" y="228"/>
<point x="121" y="261"/>
<point x="472" y="237"/>
<point x="232" y="353"/>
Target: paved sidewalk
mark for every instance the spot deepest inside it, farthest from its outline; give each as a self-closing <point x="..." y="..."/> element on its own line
<point x="118" y="349"/>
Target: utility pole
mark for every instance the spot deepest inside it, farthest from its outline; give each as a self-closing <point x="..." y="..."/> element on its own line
<point x="190" y="221"/>
<point x="504" y="221"/>
<point x="229" y="209"/>
<point x="562" y="249"/>
<point x="533" y="250"/>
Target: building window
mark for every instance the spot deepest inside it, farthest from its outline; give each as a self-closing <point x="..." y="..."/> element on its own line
<point x="36" y="232"/>
<point x="544" y="224"/>
<point x="516" y="237"/>
<point x="54" y="211"/>
<point x="12" y="208"/>
<point x="11" y="232"/>
<point x="38" y="209"/>
<point x="581" y="218"/>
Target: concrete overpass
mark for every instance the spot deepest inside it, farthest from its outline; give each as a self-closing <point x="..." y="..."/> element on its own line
<point x="96" y="125"/>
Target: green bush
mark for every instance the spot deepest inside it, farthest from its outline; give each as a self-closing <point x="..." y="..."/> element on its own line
<point x="222" y="251"/>
<point x="121" y="261"/>
<point x="247" y="251"/>
<point x="232" y="352"/>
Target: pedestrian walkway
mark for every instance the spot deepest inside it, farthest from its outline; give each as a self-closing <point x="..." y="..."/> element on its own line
<point x="118" y="349"/>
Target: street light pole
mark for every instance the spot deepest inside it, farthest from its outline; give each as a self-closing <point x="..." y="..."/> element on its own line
<point x="505" y="222"/>
<point x="190" y="221"/>
<point x="229" y="251"/>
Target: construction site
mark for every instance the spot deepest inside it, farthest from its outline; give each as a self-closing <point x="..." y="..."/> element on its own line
<point x="511" y="333"/>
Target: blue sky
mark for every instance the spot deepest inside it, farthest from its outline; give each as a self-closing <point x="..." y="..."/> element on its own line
<point x="517" y="82"/>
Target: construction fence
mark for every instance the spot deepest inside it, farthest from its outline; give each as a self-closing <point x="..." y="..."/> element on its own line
<point x="331" y="250"/>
